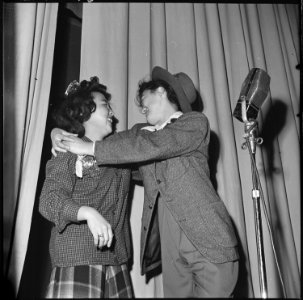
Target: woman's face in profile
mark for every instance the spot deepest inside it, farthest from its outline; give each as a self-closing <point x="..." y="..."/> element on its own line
<point x="102" y="117"/>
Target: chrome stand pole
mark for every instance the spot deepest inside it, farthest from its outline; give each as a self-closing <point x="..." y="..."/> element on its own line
<point x="251" y="131"/>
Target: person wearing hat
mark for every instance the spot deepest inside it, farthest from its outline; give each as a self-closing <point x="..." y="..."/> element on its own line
<point x="186" y="227"/>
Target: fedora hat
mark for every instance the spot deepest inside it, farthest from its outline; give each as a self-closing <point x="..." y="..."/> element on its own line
<point x="181" y="84"/>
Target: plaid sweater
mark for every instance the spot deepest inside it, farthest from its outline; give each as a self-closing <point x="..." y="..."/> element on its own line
<point x="63" y="193"/>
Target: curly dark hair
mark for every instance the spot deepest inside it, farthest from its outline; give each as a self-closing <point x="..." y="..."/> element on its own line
<point x="78" y="105"/>
<point x="152" y="85"/>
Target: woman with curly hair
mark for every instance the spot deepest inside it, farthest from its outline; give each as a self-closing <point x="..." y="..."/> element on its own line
<point x="90" y="239"/>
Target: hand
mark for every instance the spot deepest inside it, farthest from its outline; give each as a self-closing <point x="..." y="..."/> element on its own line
<point x="58" y="136"/>
<point x="99" y="227"/>
<point x="78" y="146"/>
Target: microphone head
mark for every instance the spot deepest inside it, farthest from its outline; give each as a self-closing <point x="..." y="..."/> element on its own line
<point x="254" y="91"/>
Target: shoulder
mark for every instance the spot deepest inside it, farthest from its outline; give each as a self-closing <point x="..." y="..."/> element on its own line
<point x="194" y="115"/>
<point x="64" y="156"/>
<point x="194" y="118"/>
<point x="62" y="160"/>
<point x="136" y="129"/>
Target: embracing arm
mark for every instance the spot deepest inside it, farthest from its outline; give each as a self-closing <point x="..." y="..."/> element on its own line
<point x="182" y="137"/>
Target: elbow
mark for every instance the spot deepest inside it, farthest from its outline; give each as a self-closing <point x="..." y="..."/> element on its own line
<point x="42" y="210"/>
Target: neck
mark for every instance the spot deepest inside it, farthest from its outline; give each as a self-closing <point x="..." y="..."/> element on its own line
<point x="93" y="138"/>
<point x="94" y="135"/>
<point x="168" y="113"/>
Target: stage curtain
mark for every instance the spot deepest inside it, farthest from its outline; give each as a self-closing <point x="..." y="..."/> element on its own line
<point x="29" y="35"/>
<point x="216" y="45"/>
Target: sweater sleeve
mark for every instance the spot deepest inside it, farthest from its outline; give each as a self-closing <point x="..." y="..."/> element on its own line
<point x="182" y="137"/>
<point x="56" y="203"/>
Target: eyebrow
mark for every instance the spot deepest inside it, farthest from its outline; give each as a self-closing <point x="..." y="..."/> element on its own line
<point x="103" y="99"/>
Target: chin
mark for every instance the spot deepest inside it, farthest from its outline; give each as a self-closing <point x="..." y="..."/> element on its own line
<point x="109" y="130"/>
<point x="151" y="122"/>
<point x="108" y="125"/>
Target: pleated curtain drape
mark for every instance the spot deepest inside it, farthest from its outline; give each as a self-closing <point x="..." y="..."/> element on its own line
<point x="29" y="38"/>
<point x="216" y="45"/>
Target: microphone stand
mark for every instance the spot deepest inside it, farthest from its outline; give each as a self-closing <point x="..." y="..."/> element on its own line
<point x="251" y="132"/>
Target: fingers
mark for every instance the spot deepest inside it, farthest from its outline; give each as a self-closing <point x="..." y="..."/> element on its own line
<point x="65" y="145"/>
<point x="110" y="238"/>
<point x="96" y="240"/>
<point x="58" y="145"/>
<point x="68" y="133"/>
<point x="68" y="138"/>
<point x="61" y="149"/>
<point x="105" y="238"/>
<point x="98" y="225"/>
<point x="101" y="241"/>
<point x="54" y="152"/>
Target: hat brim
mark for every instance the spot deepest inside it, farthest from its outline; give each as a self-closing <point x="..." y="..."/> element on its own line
<point x="159" y="73"/>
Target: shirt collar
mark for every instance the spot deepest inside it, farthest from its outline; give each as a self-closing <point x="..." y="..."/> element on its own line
<point x="175" y="115"/>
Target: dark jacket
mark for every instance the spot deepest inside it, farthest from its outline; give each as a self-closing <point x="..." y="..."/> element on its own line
<point x="174" y="163"/>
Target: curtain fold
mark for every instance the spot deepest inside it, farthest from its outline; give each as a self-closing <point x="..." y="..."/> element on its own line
<point x="158" y="43"/>
<point x="216" y="45"/>
<point x="107" y="37"/>
<point x="26" y="94"/>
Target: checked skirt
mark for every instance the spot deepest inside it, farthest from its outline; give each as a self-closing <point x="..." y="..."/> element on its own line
<point x="90" y="281"/>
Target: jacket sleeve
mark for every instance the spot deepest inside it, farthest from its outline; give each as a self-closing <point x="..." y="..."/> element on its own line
<point x="182" y="137"/>
<point x="55" y="202"/>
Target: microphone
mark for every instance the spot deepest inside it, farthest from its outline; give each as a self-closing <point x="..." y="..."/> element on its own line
<point x="253" y="93"/>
